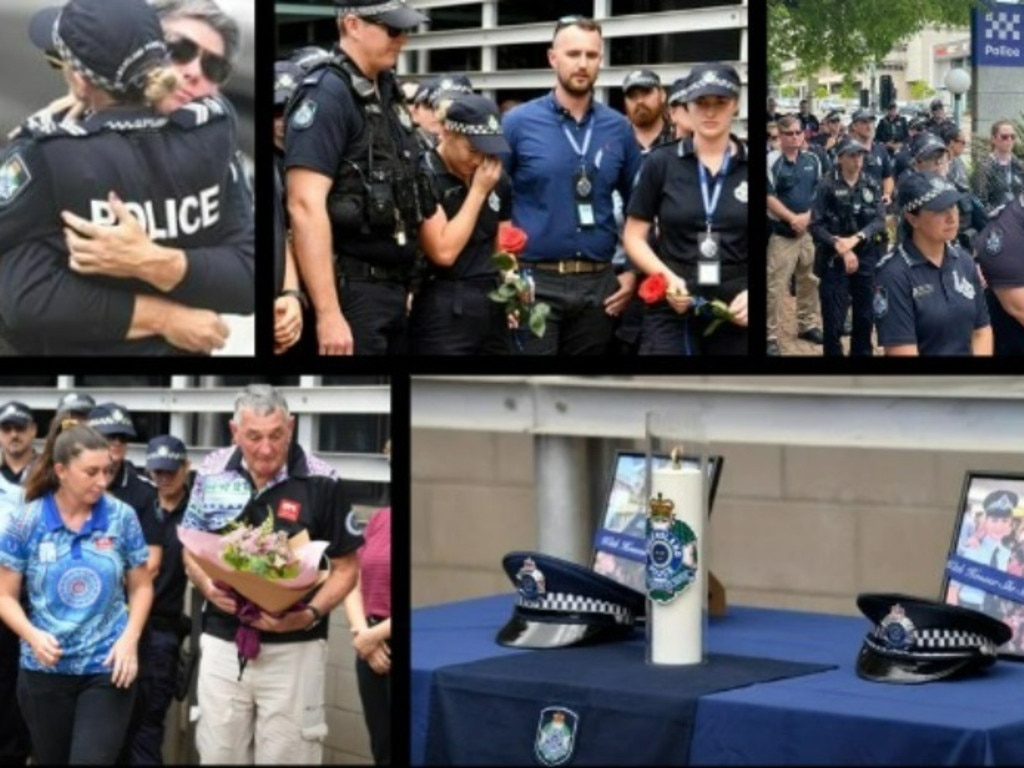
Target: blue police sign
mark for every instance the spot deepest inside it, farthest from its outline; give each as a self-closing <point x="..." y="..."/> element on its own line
<point x="996" y="34"/>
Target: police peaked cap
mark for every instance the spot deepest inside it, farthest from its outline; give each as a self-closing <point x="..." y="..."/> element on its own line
<point x="996" y="504"/>
<point x="928" y="191"/>
<point x="17" y="412"/>
<point x="165" y="452"/>
<point x="914" y="640"/>
<point x="926" y="143"/>
<point x="559" y="603"/>
<point x="849" y="144"/>
<point x="111" y="419"/>
<point x="709" y="79"/>
<point x="641" y="78"/>
<point x="76" y="402"/>
<point x="287" y="76"/>
<point x="476" y="117"/>
<point x="862" y="115"/>
<point x="394" y="13"/>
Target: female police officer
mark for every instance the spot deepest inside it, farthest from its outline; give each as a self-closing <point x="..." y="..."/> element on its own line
<point x="171" y="173"/>
<point x="928" y="298"/>
<point x="697" y="190"/>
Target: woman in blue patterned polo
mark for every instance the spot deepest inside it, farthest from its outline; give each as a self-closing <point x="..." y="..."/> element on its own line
<point x="78" y="550"/>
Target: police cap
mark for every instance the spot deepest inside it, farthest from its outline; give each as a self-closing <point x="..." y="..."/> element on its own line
<point x="559" y="603"/>
<point x="834" y="117"/>
<point x="448" y="85"/>
<point x="14" y="412"/>
<point x="863" y="115"/>
<point x="394" y="13"/>
<point x="111" y="419"/>
<point x="913" y="640"/>
<point x="677" y="90"/>
<point x="476" y="117"/>
<point x="112" y="43"/>
<point x="710" y="79"/>
<point x="1000" y="503"/>
<point x="918" y="123"/>
<point x="849" y="145"/>
<point x="641" y="78"/>
<point x="936" y="104"/>
<point x="925" y="144"/>
<point x="927" y="191"/>
<point x="75" y="402"/>
<point x="287" y="75"/>
<point x="166" y="453"/>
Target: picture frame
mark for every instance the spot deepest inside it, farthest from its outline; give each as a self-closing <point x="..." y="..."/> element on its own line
<point x="984" y="567"/>
<point x="620" y="541"/>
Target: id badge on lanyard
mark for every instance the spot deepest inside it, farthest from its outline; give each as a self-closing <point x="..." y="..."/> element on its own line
<point x="709" y="242"/>
<point x="582" y="184"/>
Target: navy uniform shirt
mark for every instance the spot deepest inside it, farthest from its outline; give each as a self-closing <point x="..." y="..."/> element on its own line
<point x="902" y="161"/>
<point x="892" y="130"/>
<point x="668" y="188"/>
<point x="136" y="490"/>
<point x="161" y="525"/>
<point x="877" y="163"/>
<point x="543" y="165"/>
<point x="474" y="261"/>
<point x="865" y="212"/>
<point x="173" y="172"/>
<point x="935" y="308"/>
<point x="323" y="123"/>
<point x="793" y="183"/>
<point x="1000" y="254"/>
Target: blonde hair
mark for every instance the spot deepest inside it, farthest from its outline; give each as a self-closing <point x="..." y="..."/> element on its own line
<point x="160" y="83"/>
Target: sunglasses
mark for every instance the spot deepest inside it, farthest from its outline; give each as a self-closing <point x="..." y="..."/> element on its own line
<point x="1007" y="136"/>
<point x="215" y="68"/>
<point x="9" y="426"/>
<point x="790" y="133"/>
<point x="393" y="32"/>
<point x="576" y="18"/>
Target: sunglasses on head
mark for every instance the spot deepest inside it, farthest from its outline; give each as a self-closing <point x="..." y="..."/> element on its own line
<point x="215" y="68"/>
<point x="576" y="18"/>
<point x="393" y="32"/>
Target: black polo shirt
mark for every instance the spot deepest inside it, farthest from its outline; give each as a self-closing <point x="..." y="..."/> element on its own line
<point x="793" y="183"/>
<point x="135" y="490"/>
<point x="169" y="584"/>
<point x="935" y="308"/>
<point x="668" y="188"/>
<point x="16" y="478"/>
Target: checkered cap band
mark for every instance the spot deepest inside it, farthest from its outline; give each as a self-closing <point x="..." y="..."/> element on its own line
<point x="118" y="84"/>
<point x="929" y="652"/>
<point x="933" y="192"/>
<point x="946" y="640"/>
<point x="369" y="10"/>
<point x="174" y="455"/>
<point x="119" y="420"/>
<point x="705" y="80"/>
<point x="472" y="130"/>
<point x="559" y="602"/>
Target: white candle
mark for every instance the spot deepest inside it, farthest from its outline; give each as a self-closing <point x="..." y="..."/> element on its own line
<point x="677" y="628"/>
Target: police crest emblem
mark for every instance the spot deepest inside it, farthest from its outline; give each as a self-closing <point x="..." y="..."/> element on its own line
<point x="304" y="115"/>
<point x="530" y="580"/>
<point x="869" y="196"/>
<point x="741" y="192"/>
<point x="493" y="124"/>
<point x="494" y="202"/>
<point x="994" y="243"/>
<point x="671" y="552"/>
<point x="880" y="304"/>
<point x="14" y="177"/>
<point x="896" y="630"/>
<point x="556" y="735"/>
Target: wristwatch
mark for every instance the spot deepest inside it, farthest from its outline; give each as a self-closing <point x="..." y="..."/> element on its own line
<point x="317" y="617"/>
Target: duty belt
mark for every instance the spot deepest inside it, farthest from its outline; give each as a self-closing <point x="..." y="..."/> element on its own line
<point x="569" y="266"/>
<point x="354" y="269"/>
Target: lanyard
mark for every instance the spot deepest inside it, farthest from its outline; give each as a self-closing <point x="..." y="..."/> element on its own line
<point x="711" y="205"/>
<point x="581" y="152"/>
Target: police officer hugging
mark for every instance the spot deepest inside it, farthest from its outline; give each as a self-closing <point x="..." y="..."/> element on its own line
<point x="169" y="171"/>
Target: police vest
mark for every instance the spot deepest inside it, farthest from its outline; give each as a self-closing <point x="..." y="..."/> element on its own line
<point x="377" y="190"/>
<point x="852" y="208"/>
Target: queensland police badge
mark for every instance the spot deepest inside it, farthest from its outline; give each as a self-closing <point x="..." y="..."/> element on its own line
<point x="556" y="735"/>
<point x="671" y="552"/>
<point x="530" y="580"/>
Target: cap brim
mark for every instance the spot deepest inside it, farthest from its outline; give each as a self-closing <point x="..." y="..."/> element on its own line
<point x="494" y="144"/>
<point x="402" y="18"/>
<point x="879" y="668"/>
<point x="108" y="431"/>
<point x="523" y="632"/>
<point x="944" y="201"/>
<point x="711" y="90"/>
<point x="166" y="465"/>
<point x="647" y="84"/>
<point x="40" y="27"/>
<point x="23" y="420"/>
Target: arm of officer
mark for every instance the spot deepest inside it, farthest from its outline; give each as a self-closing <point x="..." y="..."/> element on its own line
<point x="311" y="240"/>
<point x="287" y="308"/>
<point x="818" y="226"/>
<point x="194" y="330"/>
<point x="443" y="239"/>
<point x="639" y="251"/>
<point x="981" y="341"/>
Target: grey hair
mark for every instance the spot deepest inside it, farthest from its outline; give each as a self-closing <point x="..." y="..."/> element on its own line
<point x="262" y="399"/>
<point x="209" y="12"/>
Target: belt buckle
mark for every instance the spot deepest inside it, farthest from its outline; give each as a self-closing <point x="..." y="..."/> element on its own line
<point x="562" y="268"/>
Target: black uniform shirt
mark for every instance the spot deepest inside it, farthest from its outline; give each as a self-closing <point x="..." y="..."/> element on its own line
<point x="138" y="492"/>
<point x="668" y="188"/>
<point x="169" y="584"/>
<point x="323" y="122"/>
<point x="892" y="130"/>
<point x="935" y="308"/>
<point x="864" y="211"/>
<point x="1000" y="248"/>
<point x="475" y="259"/>
<point x="877" y="163"/>
<point x="16" y="478"/>
<point x="173" y="172"/>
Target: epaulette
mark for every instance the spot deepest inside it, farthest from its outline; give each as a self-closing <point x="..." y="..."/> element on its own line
<point x="885" y="259"/>
<point x="200" y="112"/>
<point x="994" y="213"/>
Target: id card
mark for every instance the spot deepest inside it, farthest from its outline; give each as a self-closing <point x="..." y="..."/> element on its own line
<point x="585" y="214"/>
<point x="709" y="272"/>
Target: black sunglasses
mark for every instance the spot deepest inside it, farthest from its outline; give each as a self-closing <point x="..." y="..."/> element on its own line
<point x="393" y="32"/>
<point x="216" y="68"/>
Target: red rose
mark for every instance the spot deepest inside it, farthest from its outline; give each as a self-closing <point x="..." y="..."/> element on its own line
<point x="511" y="238"/>
<point x="653" y="288"/>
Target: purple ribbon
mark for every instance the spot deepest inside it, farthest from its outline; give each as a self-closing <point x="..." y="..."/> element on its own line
<point x="247" y="637"/>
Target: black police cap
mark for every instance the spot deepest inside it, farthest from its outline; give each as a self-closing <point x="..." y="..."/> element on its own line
<point x="918" y="124"/>
<point x="1000" y="503"/>
<point x="112" y="43"/>
<point x="926" y="191"/>
<point x="560" y="603"/>
<point x="287" y="75"/>
<point x="394" y="13"/>
<point x="166" y="453"/>
<point x="862" y="115"/>
<point x="848" y="145"/>
<point x="677" y="90"/>
<point x="111" y="419"/>
<point x="76" y="402"/>
<point x="477" y="118"/>
<point x="448" y="85"/>
<point x="15" y="412"/>
<point x="925" y="144"/>
<point x="710" y="79"/>
<point x="914" y="640"/>
<point x="641" y="78"/>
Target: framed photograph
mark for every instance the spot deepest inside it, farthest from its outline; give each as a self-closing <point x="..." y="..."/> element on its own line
<point x="985" y="565"/>
<point x="620" y="543"/>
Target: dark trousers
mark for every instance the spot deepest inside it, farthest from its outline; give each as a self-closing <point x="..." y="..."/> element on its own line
<point x="455" y="317"/>
<point x="158" y="670"/>
<point x="74" y="719"/>
<point x="839" y="291"/>
<point x="14" y="741"/>
<point x="578" y="324"/>
<point x="375" y="311"/>
<point x="666" y="332"/>
<point x="375" y="695"/>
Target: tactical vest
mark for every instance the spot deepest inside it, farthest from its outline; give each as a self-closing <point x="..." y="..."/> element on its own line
<point x="377" y="189"/>
<point x="853" y="208"/>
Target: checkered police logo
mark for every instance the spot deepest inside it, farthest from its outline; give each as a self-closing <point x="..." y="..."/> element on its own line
<point x="1003" y="26"/>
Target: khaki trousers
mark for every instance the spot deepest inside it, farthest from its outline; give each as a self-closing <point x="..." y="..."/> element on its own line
<point x="787" y="256"/>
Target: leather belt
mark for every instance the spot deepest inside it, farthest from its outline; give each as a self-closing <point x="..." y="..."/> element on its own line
<point x="354" y="269"/>
<point x="569" y="266"/>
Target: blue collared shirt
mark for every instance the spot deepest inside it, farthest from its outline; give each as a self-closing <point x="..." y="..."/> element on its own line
<point x="75" y="581"/>
<point x="543" y="165"/>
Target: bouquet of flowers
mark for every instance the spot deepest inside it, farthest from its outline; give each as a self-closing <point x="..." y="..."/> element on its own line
<point x="260" y="550"/>
<point x="655" y="288"/>
<point x="517" y="291"/>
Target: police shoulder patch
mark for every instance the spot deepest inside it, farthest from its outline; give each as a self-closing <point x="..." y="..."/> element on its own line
<point x="994" y="242"/>
<point x="494" y="202"/>
<point x="14" y="178"/>
<point x="556" y="735"/>
<point x="880" y="304"/>
<point x="741" y="192"/>
<point x="304" y="115"/>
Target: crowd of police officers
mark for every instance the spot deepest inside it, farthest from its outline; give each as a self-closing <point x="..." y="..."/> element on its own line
<point x="901" y="240"/>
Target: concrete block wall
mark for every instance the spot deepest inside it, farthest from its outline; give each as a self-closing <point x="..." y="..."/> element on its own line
<point x="793" y="527"/>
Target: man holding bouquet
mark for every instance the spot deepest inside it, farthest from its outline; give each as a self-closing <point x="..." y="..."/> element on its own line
<point x="261" y="676"/>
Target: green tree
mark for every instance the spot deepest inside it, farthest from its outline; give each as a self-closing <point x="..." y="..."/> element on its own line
<point x="846" y="35"/>
<point x="920" y="90"/>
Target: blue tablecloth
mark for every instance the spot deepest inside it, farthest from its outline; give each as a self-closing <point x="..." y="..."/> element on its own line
<point x="831" y="717"/>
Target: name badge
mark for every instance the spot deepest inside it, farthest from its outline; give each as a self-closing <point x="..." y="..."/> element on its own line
<point x="585" y="214"/>
<point x="47" y="552"/>
<point x="709" y="272"/>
